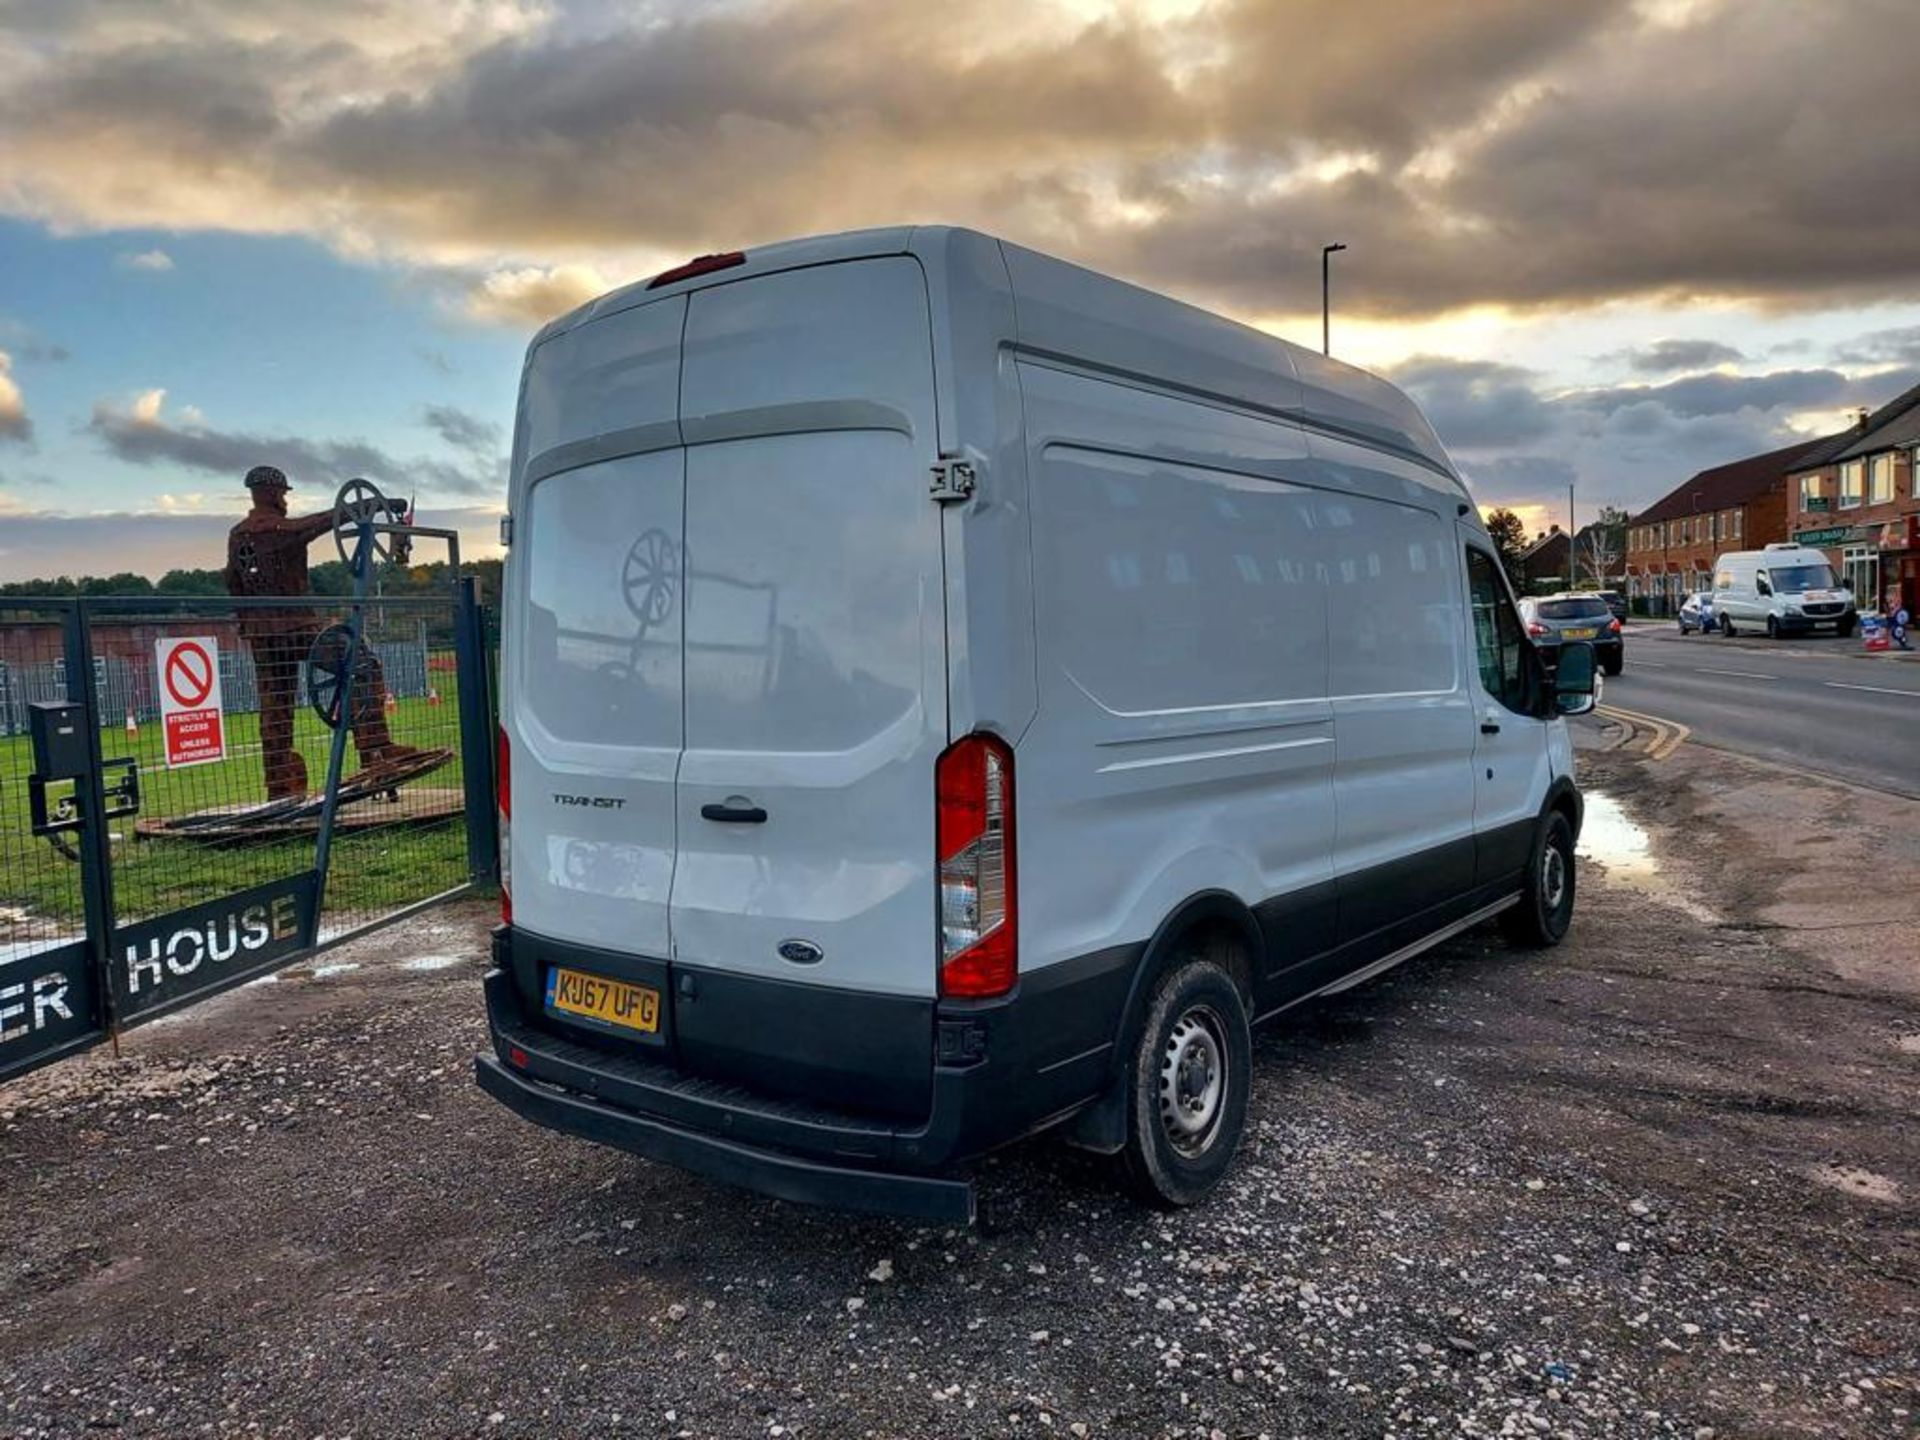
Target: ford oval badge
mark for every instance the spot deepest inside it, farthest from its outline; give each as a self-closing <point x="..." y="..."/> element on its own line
<point x="801" y="952"/>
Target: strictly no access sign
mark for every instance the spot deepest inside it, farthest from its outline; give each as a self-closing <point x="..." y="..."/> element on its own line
<point x="190" y="712"/>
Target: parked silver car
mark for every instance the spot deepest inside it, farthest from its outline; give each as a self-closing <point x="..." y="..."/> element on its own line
<point x="1696" y="613"/>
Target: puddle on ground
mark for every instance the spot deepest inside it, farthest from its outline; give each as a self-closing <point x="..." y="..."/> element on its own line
<point x="340" y="967"/>
<point x="430" y="962"/>
<point x="1861" y="1183"/>
<point x="1609" y="837"/>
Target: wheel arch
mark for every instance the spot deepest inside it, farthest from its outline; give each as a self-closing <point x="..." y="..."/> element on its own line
<point x="1220" y="916"/>
<point x="1564" y="796"/>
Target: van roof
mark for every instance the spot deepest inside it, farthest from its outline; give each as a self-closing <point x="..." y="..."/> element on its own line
<point x="1070" y="313"/>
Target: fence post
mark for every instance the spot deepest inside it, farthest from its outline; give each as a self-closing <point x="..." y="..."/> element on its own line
<point x="470" y="659"/>
<point x="96" y="845"/>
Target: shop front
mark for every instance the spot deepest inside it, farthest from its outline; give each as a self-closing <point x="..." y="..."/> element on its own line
<point x="1897" y="563"/>
<point x="1873" y="559"/>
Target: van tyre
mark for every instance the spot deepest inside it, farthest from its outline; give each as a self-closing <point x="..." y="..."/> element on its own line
<point x="1545" y="910"/>
<point x="1844" y="628"/>
<point x="1726" y="626"/>
<point x="1188" y="1081"/>
<point x="1773" y="627"/>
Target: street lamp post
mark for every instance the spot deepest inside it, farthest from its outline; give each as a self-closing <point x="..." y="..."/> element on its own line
<point x="1573" y="544"/>
<point x="1326" y="251"/>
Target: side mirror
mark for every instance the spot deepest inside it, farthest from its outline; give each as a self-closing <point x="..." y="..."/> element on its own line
<point x="1574" y="681"/>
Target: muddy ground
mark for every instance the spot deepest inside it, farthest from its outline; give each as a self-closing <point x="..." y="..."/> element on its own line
<point x="1660" y="1181"/>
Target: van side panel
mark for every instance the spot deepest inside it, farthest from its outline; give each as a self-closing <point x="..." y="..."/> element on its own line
<point x="1184" y="741"/>
<point x="1403" y="718"/>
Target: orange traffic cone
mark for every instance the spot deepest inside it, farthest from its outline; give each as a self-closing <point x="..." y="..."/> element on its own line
<point x="433" y="696"/>
<point x="133" y="726"/>
<point x="392" y="704"/>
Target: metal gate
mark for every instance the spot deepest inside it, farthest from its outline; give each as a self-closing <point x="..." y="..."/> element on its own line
<point x="161" y="839"/>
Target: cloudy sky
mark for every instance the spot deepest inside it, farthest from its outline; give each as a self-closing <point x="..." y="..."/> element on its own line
<point x="1605" y="242"/>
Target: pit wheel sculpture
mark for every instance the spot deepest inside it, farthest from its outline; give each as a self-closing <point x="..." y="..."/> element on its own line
<point x="327" y="663"/>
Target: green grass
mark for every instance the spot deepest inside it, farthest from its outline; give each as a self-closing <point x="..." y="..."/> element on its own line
<point x="371" y="871"/>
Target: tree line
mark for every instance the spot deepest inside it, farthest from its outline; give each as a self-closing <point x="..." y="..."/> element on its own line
<point x="331" y="578"/>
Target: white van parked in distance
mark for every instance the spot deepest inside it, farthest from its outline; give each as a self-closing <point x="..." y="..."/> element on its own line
<point x="1785" y="589"/>
<point x="947" y="694"/>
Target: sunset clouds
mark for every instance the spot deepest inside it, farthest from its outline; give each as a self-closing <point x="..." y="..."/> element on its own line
<point x="1606" y="241"/>
<point x="1489" y="151"/>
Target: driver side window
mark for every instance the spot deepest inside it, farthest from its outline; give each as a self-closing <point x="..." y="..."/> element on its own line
<point x="1762" y="584"/>
<point x="1498" y="640"/>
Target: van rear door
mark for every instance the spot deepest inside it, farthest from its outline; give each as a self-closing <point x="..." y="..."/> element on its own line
<point x="591" y="702"/>
<point x="815" y="662"/>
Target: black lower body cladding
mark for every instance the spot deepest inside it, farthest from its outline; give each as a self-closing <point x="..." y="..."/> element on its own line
<point x="815" y="1082"/>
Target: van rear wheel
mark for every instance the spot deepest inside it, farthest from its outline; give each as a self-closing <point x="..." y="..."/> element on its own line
<point x="1189" y="1078"/>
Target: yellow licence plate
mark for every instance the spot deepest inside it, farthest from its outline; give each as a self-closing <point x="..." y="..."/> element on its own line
<point x="1586" y="634"/>
<point x="612" y="1002"/>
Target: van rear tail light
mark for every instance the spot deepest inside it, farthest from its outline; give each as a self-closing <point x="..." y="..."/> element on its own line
<point x="973" y="783"/>
<point x="503" y="781"/>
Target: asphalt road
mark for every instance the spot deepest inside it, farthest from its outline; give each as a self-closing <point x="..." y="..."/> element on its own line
<point x="1819" y="703"/>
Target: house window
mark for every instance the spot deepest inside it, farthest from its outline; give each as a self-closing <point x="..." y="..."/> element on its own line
<point x="1810" y="489"/>
<point x="1851" y="477"/>
<point x="1880" y="480"/>
<point x="1736" y="523"/>
<point x="1860" y="567"/>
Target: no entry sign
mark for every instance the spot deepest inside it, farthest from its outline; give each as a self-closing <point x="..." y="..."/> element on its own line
<point x="190" y="712"/>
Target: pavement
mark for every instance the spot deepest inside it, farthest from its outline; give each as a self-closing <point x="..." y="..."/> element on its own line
<point x="1819" y="703"/>
<point x="1660" y="1181"/>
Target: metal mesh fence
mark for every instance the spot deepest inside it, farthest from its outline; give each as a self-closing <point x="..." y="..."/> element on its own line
<point x="225" y="807"/>
<point x="41" y="904"/>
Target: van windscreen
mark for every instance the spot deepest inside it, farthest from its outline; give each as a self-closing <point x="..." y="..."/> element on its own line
<point x="1792" y="579"/>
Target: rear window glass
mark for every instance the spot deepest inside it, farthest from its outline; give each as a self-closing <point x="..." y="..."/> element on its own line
<point x="1573" y="609"/>
<point x="599" y="643"/>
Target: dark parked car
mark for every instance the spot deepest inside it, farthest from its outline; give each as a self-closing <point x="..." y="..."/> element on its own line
<point x="1616" y="602"/>
<point x="1552" y="619"/>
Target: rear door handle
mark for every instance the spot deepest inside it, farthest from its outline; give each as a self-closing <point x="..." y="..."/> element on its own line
<point x="730" y="813"/>
<point x="1489" y="727"/>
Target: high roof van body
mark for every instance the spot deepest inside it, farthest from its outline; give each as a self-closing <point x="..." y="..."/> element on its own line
<point x="1784" y="589"/>
<point x="947" y="693"/>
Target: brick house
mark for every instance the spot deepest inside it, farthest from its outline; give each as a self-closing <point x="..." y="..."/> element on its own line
<point x="1856" y="500"/>
<point x="1672" y="544"/>
<point x="1543" y="564"/>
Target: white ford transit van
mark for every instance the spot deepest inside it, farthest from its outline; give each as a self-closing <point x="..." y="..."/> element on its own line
<point x="1784" y="589"/>
<point x="947" y="693"/>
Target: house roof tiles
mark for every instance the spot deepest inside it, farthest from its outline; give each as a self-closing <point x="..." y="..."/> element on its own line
<point x="1735" y="483"/>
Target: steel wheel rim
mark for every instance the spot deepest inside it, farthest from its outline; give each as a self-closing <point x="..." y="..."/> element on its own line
<point x="1193" y="1080"/>
<point x="1553" y="878"/>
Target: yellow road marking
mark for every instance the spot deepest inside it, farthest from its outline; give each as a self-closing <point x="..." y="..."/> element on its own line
<point x="1668" y="735"/>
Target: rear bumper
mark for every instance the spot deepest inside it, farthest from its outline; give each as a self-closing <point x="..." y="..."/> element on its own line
<point x="993" y="1071"/>
<point x="785" y="1177"/>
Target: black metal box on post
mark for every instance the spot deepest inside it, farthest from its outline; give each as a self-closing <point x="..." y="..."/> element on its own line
<point x="58" y="729"/>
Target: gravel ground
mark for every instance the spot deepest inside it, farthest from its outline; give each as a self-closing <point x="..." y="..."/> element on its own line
<point x="1658" y="1182"/>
